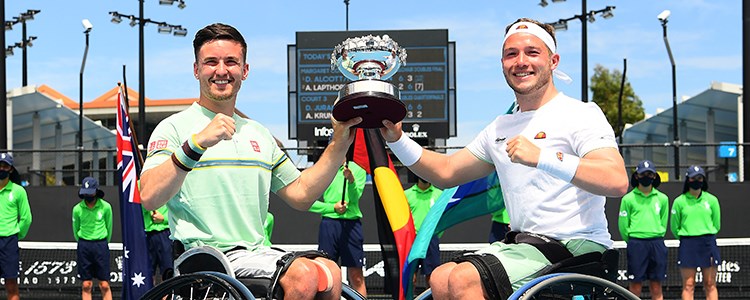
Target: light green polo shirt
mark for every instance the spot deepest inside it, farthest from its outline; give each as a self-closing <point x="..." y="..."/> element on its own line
<point x="332" y="195"/>
<point x="223" y="201"/>
<point x="15" y="213"/>
<point x="643" y="216"/>
<point x="92" y="223"/>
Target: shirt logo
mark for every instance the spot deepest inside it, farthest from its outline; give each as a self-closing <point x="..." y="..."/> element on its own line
<point x="255" y="145"/>
<point x="623" y="213"/>
<point x="500" y="140"/>
<point x="540" y="135"/>
<point x="156" y="145"/>
<point x="560" y="156"/>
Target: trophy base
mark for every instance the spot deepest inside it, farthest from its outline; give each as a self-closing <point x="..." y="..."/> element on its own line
<point x="373" y="100"/>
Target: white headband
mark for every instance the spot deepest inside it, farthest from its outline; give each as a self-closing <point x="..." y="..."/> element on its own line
<point x="538" y="31"/>
<point x="533" y="29"/>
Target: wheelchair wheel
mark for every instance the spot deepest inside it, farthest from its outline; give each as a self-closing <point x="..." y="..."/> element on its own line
<point x="200" y="285"/>
<point x="564" y="286"/>
<point x="348" y="293"/>
<point x="571" y="286"/>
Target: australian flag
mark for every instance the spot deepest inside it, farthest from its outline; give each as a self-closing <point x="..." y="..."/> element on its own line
<point x="136" y="272"/>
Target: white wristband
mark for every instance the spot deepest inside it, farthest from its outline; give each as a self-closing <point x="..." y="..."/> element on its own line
<point x="406" y="149"/>
<point x="558" y="164"/>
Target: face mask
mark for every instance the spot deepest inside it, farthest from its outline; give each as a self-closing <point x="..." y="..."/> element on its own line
<point x="645" y="181"/>
<point x="4" y="174"/>
<point x="89" y="199"/>
<point x="696" y="185"/>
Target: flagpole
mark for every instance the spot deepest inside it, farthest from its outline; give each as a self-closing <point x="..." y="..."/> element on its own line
<point x="124" y="88"/>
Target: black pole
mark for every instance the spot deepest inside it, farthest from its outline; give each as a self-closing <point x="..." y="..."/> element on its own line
<point x="347" y="14"/>
<point x="141" y="78"/>
<point x="3" y="87"/>
<point x="619" y="99"/>
<point x="24" y="74"/>
<point x="675" y="130"/>
<point x="745" y="82"/>
<point x="343" y="193"/>
<point x="584" y="55"/>
<point x="80" y="108"/>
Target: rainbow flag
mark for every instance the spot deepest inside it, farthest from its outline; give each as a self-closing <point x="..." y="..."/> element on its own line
<point x="455" y="205"/>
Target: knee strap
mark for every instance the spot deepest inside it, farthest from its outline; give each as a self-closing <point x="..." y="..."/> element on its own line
<point x="492" y="273"/>
<point x="274" y="288"/>
<point x="325" y="279"/>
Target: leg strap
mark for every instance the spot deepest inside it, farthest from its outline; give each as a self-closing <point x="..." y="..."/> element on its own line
<point x="492" y="273"/>
<point x="274" y="289"/>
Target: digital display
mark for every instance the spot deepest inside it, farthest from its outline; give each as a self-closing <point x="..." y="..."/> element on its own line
<point x="423" y="82"/>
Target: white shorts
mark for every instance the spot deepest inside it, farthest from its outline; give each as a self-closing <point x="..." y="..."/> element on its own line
<point x="258" y="263"/>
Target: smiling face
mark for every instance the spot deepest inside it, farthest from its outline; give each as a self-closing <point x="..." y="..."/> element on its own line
<point x="220" y="69"/>
<point x="528" y="64"/>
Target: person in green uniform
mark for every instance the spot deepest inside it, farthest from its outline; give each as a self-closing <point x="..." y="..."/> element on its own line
<point x="340" y="232"/>
<point x="92" y="228"/>
<point x="268" y="229"/>
<point x="500" y="225"/>
<point x="696" y="219"/>
<point x="422" y="196"/>
<point x="643" y="222"/>
<point x="215" y="171"/>
<point x="15" y="219"/>
<point x="159" y="245"/>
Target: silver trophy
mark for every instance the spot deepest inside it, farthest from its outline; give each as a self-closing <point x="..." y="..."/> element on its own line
<point x="368" y="61"/>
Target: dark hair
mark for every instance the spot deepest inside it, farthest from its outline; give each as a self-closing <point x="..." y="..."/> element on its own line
<point x="634" y="180"/>
<point x="686" y="188"/>
<point x="13" y="176"/>
<point x="548" y="28"/>
<point x="218" y="31"/>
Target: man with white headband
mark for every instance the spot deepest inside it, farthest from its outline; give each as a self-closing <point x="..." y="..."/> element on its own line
<point x="557" y="160"/>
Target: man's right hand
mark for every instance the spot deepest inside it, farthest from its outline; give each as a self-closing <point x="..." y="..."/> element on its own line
<point x="222" y="127"/>
<point x="391" y="132"/>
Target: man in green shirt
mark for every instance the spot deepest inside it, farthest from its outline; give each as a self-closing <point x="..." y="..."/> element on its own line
<point x="421" y="197"/>
<point x="92" y="228"/>
<point x="643" y="222"/>
<point x="215" y="171"/>
<point x="15" y="219"/>
<point x="159" y="245"/>
<point x="340" y="232"/>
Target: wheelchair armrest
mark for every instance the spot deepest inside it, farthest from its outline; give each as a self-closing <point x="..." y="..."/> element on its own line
<point x="203" y="258"/>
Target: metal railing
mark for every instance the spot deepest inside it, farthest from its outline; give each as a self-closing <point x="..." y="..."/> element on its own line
<point x="50" y="167"/>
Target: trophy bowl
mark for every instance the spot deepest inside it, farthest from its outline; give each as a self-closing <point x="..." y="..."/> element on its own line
<point x="368" y="61"/>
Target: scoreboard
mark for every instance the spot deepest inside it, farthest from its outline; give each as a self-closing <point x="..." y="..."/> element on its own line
<point x="426" y="82"/>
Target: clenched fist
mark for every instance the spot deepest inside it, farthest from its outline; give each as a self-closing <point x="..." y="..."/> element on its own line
<point x="222" y="127"/>
<point x="521" y="150"/>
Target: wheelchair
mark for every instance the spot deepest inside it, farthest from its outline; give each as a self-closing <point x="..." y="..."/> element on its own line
<point x="204" y="273"/>
<point x="586" y="277"/>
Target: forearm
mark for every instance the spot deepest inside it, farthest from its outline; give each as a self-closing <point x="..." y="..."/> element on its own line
<point x="314" y="180"/>
<point x="445" y="171"/>
<point x="160" y="184"/>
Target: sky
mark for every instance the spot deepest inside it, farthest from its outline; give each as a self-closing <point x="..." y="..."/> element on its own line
<point x="705" y="37"/>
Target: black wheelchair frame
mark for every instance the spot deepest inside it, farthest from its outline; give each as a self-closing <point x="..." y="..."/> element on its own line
<point x="204" y="273"/>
